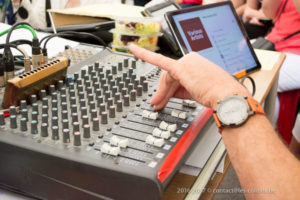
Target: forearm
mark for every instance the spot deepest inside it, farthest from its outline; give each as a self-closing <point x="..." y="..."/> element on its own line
<point x="240" y="10"/>
<point x="261" y="160"/>
<point x="238" y="3"/>
<point x="254" y="4"/>
<point x="270" y="8"/>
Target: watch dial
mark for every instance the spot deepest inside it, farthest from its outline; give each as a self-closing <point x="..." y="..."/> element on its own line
<point x="233" y="111"/>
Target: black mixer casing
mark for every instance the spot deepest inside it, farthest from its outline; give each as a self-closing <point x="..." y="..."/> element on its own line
<point x="49" y="170"/>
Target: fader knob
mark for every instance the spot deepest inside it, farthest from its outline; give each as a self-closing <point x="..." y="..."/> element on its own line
<point x="118" y="79"/>
<point x="79" y="82"/>
<point x="44" y="109"/>
<point x="45" y="118"/>
<point x="125" y="62"/>
<point x="12" y="110"/>
<point x="133" y="77"/>
<point x="133" y="64"/>
<point x="85" y="120"/>
<point x="75" y="127"/>
<point x="98" y="92"/>
<point x="44" y="130"/>
<point x="127" y="81"/>
<point x="107" y="95"/>
<point x="54" y="121"/>
<point x="74" y="117"/>
<point x="130" y="86"/>
<point x="33" y="98"/>
<point x="110" y="102"/>
<point x="64" y="105"/>
<point x="80" y="88"/>
<point x="64" y="114"/>
<point x="89" y="90"/>
<point x="120" y="66"/>
<point x="23" y="104"/>
<point x="130" y="72"/>
<point x="45" y="101"/>
<point x="133" y="95"/>
<point x="102" y="107"/>
<point x="35" y="107"/>
<point x="65" y="123"/>
<point x="82" y="102"/>
<point x="112" y="112"/>
<point x="73" y="108"/>
<point x="90" y="97"/>
<point x="54" y="103"/>
<point x="96" y="65"/>
<point x="63" y="98"/>
<point x="121" y="85"/>
<point x="86" y="131"/>
<point x="2" y="119"/>
<point x="34" y="115"/>
<point x="117" y="96"/>
<point x="60" y="84"/>
<point x="114" y="69"/>
<point x="99" y="100"/>
<point x="34" y="129"/>
<point x="145" y="86"/>
<point x="142" y="79"/>
<point x="119" y="106"/>
<point x="93" y="113"/>
<point x="23" y="124"/>
<point x="124" y="91"/>
<point x="55" y="135"/>
<point x="104" y="118"/>
<point x="83" y="111"/>
<point x="92" y="105"/>
<point x="42" y="94"/>
<point x="77" y="139"/>
<point x="24" y="113"/>
<point x="126" y="100"/>
<point x="124" y="76"/>
<point x="114" y="90"/>
<point x="54" y="111"/>
<point x="139" y="90"/>
<point x="51" y="89"/>
<point x="66" y="135"/>
<point x="96" y="124"/>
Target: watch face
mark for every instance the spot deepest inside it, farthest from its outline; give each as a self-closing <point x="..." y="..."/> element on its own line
<point x="233" y="111"/>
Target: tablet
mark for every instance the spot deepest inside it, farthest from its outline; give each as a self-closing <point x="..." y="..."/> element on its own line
<point x="215" y="32"/>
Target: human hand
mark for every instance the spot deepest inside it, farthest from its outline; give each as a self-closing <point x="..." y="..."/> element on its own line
<point x="192" y="76"/>
<point x="252" y="16"/>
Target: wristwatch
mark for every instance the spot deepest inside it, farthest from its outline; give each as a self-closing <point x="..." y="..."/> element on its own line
<point x="234" y="110"/>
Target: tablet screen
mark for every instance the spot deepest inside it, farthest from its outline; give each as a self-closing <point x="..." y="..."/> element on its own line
<point x="215" y="33"/>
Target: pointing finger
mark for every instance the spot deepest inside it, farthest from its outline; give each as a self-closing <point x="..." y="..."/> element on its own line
<point x="159" y="60"/>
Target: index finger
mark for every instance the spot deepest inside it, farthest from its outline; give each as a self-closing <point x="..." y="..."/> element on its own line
<point x="156" y="59"/>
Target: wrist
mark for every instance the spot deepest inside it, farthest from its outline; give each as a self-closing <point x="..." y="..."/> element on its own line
<point x="236" y="89"/>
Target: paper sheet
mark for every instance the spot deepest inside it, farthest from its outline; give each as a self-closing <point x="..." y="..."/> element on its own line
<point x="202" y="152"/>
<point x="104" y="10"/>
<point x="54" y="46"/>
<point x="266" y="58"/>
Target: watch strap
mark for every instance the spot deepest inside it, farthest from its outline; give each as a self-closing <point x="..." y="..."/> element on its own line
<point x="255" y="106"/>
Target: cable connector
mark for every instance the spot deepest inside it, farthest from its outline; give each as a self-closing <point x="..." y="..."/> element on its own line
<point x="36" y="53"/>
<point x="45" y="54"/>
<point x="2" y="66"/>
<point x="8" y="60"/>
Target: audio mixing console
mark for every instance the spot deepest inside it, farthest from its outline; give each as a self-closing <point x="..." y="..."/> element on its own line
<point x="95" y="134"/>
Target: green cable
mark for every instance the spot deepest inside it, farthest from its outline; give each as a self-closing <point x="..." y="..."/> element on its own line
<point x="21" y="26"/>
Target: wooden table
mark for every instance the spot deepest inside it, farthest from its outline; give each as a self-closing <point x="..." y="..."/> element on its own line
<point x="185" y="186"/>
